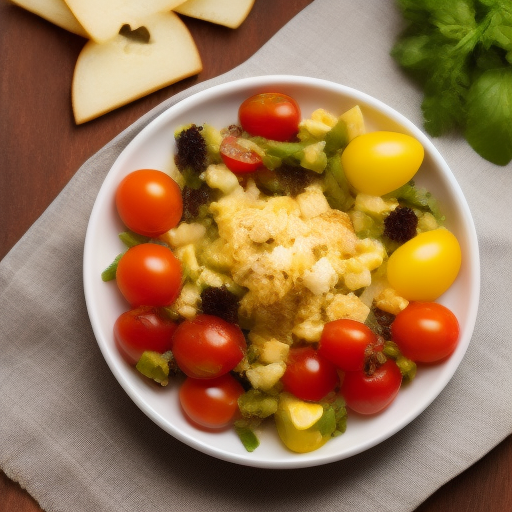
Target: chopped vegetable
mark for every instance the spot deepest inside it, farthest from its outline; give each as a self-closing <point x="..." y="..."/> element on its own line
<point x="291" y="425"/>
<point x="336" y="138"/>
<point x="248" y="438"/>
<point x="110" y="272"/>
<point x="417" y="198"/>
<point x="155" y="366"/>
<point x="257" y="404"/>
<point x="406" y="366"/>
<point x="130" y="239"/>
<point x="337" y="187"/>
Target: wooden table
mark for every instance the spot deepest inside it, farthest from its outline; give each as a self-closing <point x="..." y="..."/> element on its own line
<point x="41" y="148"/>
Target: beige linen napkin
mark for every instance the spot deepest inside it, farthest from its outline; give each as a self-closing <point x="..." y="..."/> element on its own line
<point x="71" y="436"/>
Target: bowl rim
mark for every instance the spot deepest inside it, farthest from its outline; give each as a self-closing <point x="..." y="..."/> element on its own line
<point x="261" y="82"/>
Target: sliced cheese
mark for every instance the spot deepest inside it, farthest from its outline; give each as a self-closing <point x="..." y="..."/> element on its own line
<point x="230" y="13"/>
<point x="102" y="19"/>
<point x="115" y="73"/>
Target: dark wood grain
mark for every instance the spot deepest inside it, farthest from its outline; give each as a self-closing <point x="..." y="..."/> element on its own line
<point x="41" y="148"/>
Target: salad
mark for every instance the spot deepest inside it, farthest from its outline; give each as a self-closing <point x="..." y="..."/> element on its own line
<point x="286" y="272"/>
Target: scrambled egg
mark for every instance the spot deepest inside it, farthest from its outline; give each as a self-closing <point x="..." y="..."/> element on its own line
<point x="299" y="260"/>
<point x="295" y="262"/>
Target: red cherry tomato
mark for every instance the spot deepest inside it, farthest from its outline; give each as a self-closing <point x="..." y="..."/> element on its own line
<point x="346" y="343"/>
<point x="149" y="275"/>
<point x="238" y="159"/>
<point x="211" y="403"/>
<point x="208" y="346"/>
<point x="308" y="375"/>
<point x="144" y="328"/>
<point x="149" y="202"/>
<point x="271" y="115"/>
<point x="369" y="394"/>
<point x="425" y="332"/>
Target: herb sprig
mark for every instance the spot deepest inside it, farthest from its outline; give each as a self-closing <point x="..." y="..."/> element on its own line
<point x="460" y="51"/>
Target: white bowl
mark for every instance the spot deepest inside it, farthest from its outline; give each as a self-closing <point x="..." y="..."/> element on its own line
<point x="153" y="148"/>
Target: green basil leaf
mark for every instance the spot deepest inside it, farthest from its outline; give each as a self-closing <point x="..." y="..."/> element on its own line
<point x="489" y="115"/>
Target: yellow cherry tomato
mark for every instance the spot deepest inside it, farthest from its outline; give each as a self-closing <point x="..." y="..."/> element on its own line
<point x="425" y="267"/>
<point x="376" y="163"/>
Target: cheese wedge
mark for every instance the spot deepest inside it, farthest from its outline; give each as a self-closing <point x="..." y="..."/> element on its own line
<point x="230" y="13"/>
<point x="102" y="19"/>
<point x="115" y="73"/>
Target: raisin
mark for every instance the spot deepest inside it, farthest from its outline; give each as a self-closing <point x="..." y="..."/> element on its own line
<point x="384" y="319"/>
<point x="220" y="302"/>
<point x="191" y="150"/>
<point x="193" y="199"/>
<point x="294" y="180"/>
<point x="400" y="225"/>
